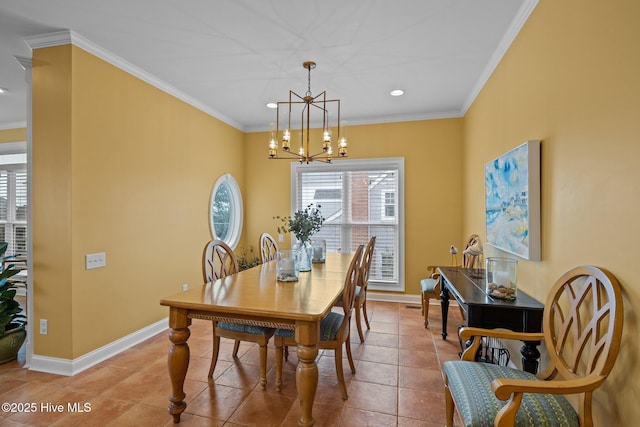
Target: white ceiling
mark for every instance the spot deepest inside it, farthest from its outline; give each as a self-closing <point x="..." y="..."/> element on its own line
<point x="231" y="57"/>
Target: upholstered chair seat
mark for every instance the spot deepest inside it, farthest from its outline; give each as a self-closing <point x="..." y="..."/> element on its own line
<point x="428" y="285"/>
<point x="244" y="329"/>
<point x="470" y="382"/>
<point x="329" y="328"/>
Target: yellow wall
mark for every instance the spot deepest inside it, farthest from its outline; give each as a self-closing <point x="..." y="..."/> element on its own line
<point x="432" y="152"/>
<point x="123" y="168"/>
<point x="570" y="79"/>
<point x="51" y="200"/>
<point x="13" y="135"/>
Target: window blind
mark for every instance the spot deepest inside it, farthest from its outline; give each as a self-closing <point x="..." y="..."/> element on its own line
<point x="13" y="208"/>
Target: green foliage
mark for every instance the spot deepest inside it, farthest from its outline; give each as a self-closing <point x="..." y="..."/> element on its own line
<point x="10" y="310"/>
<point x="248" y="259"/>
<point x="304" y="223"/>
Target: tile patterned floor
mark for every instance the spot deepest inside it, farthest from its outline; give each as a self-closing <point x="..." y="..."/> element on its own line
<point x="398" y="382"/>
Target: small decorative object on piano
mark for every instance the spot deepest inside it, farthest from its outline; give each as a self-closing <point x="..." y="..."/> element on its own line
<point x="501" y="276"/>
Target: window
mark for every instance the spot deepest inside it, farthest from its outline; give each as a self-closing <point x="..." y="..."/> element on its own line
<point x="13" y="202"/>
<point x="225" y="213"/>
<point x="358" y="199"/>
<point x="388" y="205"/>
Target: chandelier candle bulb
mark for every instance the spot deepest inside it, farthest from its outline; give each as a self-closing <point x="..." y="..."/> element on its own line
<point x="286" y="137"/>
<point x="342" y="147"/>
<point x="273" y="146"/>
<point x="326" y="139"/>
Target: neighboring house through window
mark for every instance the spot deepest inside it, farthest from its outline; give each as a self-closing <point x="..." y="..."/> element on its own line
<point x="388" y="205"/>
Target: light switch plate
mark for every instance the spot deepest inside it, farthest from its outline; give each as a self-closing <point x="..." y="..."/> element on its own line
<point x="97" y="260"/>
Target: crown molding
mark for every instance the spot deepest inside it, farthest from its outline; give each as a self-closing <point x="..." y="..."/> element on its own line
<point x="63" y="37"/>
<point x="382" y="120"/>
<point x="56" y="38"/>
<point x="516" y="25"/>
<point x="25" y="63"/>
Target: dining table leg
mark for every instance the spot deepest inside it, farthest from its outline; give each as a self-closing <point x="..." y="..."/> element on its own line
<point x="178" y="361"/>
<point x="307" y="335"/>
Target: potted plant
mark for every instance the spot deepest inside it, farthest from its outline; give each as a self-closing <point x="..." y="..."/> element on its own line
<point x="304" y="224"/>
<point x="12" y="321"/>
<point x="248" y="259"/>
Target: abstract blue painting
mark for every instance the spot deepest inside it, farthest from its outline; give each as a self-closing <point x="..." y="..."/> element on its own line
<point x="512" y="201"/>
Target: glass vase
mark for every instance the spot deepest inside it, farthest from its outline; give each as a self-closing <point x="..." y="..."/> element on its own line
<point x="287" y="265"/>
<point x="319" y="250"/>
<point x="305" y="254"/>
<point x="501" y="276"/>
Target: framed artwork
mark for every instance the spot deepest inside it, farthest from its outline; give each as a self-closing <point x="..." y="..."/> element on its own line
<point x="512" y="201"/>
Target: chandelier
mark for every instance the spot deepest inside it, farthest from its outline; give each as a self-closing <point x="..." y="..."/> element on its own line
<point x="305" y="113"/>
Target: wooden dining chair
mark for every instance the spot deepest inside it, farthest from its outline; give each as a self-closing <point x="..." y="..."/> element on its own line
<point x="360" y="303"/>
<point x="268" y="248"/>
<point x="430" y="286"/>
<point x="334" y="328"/>
<point x="582" y="324"/>
<point x="219" y="262"/>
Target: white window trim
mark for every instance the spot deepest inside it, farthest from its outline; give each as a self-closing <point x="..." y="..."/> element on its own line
<point x="235" y="222"/>
<point x="13" y="147"/>
<point x="366" y="164"/>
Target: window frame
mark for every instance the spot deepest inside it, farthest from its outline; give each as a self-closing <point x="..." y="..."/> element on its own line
<point x="11" y="223"/>
<point x="235" y="221"/>
<point x="393" y="163"/>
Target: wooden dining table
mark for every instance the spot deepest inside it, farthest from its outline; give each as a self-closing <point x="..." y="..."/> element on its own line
<point x="255" y="297"/>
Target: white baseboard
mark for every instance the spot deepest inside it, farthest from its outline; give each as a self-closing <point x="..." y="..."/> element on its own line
<point x="401" y="298"/>
<point x="54" y="365"/>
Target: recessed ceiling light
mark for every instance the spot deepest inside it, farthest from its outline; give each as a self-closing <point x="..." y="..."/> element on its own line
<point x="3" y="90"/>
<point x="272" y="105"/>
<point x="397" y="92"/>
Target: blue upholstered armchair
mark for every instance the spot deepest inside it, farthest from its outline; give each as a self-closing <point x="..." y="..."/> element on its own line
<point x="582" y="326"/>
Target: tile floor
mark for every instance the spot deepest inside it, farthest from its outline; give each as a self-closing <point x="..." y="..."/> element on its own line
<point x="398" y="382"/>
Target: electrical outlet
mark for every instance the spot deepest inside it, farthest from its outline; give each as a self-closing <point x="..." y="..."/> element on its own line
<point x="44" y="326"/>
<point x="280" y="238"/>
<point x="95" y="260"/>
<point x="185" y="287"/>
